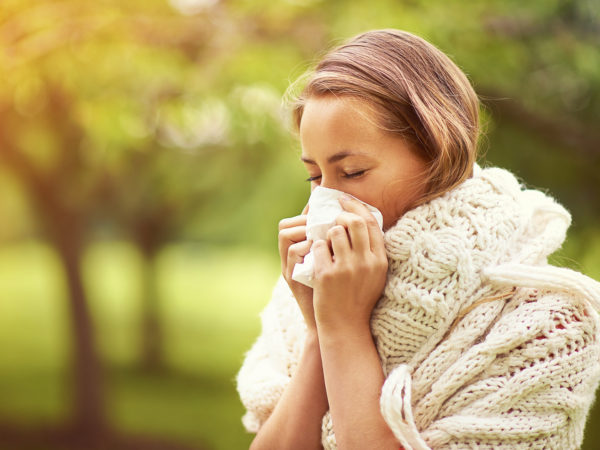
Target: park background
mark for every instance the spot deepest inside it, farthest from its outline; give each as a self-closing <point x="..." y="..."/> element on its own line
<point x="145" y="160"/>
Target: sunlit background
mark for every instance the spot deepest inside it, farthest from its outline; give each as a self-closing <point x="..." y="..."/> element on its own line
<point x="145" y="160"/>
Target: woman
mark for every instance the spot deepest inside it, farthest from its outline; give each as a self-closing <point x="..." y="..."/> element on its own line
<point x="449" y="329"/>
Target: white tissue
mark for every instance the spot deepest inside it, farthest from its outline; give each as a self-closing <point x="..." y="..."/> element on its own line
<point x="323" y="209"/>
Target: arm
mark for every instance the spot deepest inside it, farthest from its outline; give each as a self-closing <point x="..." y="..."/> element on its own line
<point x="530" y="382"/>
<point x="296" y="421"/>
<point x="349" y="279"/>
<point x="354" y="377"/>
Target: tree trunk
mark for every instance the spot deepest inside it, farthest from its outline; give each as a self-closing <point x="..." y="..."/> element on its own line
<point x="152" y="355"/>
<point x="66" y="230"/>
<point x="89" y="412"/>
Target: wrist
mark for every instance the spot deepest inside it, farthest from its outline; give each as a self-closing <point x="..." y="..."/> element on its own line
<point x="348" y="316"/>
<point x="346" y="334"/>
<point x="333" y="323"/>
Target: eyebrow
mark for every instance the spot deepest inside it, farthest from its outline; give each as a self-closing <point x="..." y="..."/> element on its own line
<point x="334" y="158"/>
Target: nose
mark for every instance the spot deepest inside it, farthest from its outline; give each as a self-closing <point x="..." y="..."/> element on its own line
<point x="329" y="183"/>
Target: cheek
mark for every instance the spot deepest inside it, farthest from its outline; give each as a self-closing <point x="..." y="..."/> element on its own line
<point x="385" y="201"/>
<point x="389" y="197"/>
<point x="396" y="200"/>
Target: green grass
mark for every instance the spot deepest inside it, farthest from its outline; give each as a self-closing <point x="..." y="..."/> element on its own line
<point x="196" y="410"/>
<point x="209" y="302"/>
<point x="33" y="326"/>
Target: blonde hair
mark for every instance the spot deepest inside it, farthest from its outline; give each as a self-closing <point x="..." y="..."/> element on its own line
<point x="417" y="92"/>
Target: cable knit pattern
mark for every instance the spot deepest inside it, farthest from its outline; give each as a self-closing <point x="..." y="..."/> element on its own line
<point x="483" y="344"/>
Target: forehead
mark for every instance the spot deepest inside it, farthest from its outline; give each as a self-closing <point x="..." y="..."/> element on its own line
<point x="332" y="124"/>
<point x="334" y="111"/>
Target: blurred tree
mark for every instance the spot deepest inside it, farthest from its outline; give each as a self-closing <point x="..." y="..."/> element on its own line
<point x="65" y="226"/>
<point x="92" y="139"/>
<point x="115" y="121"/>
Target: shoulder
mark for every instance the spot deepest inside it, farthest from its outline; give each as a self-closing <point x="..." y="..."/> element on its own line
<point x="547" y="338"/>
<point x="546" y="314"/>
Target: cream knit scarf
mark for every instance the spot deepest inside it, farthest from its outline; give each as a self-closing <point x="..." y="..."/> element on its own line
<point x="483" y="344"/>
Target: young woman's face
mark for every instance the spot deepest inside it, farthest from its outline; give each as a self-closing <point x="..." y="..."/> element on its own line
<point x="344" y="149"/>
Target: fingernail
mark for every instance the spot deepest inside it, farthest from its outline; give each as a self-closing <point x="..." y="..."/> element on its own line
<point x="345" y="198"/>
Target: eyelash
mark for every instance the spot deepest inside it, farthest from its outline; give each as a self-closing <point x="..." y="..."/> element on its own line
<point x="311" y="179"/>
<point x="346" y="175"/>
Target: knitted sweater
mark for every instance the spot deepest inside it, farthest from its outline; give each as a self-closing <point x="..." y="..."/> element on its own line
<point x="483" y="344"/>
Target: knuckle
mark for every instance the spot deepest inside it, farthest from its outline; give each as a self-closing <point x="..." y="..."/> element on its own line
<point x="371" y="221"/>
<point x="283" y="223"/>
<point x="336" y="230"/>
<point x="295" y="249"/>
<point x="325" y="275"/>
<point x="381" y="263"/>
<point x="356" y="221"/>
<point x="283" y="234"/>
<point x="318" y="243"/>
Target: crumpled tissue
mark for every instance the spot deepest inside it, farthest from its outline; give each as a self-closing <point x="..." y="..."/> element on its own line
<point x="323" y="209"/>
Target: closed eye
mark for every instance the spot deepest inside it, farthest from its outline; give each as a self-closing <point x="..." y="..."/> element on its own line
<point x="354" y="174"/>
<point x="345" y="175"/>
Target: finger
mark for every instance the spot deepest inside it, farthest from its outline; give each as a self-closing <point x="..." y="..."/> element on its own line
<point x="375" y="234"/>
<point x="295" y="255"/>
<point x="355" y="206"/>
<point x="288" y="237"/>
<point x="322" y="254"/>
<point x="300" y="249"/>
<point x="357" y="231"/>
<point x="293" y="234"/>
<point x="292" y="222"/>
<point x="340" y="243"/>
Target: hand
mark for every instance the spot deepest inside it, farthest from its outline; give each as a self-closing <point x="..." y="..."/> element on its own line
<point x="350" y="270"/>
<point x="293" y="246"/>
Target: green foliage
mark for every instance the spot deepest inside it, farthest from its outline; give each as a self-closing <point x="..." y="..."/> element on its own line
<point x="180" y="114"/>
